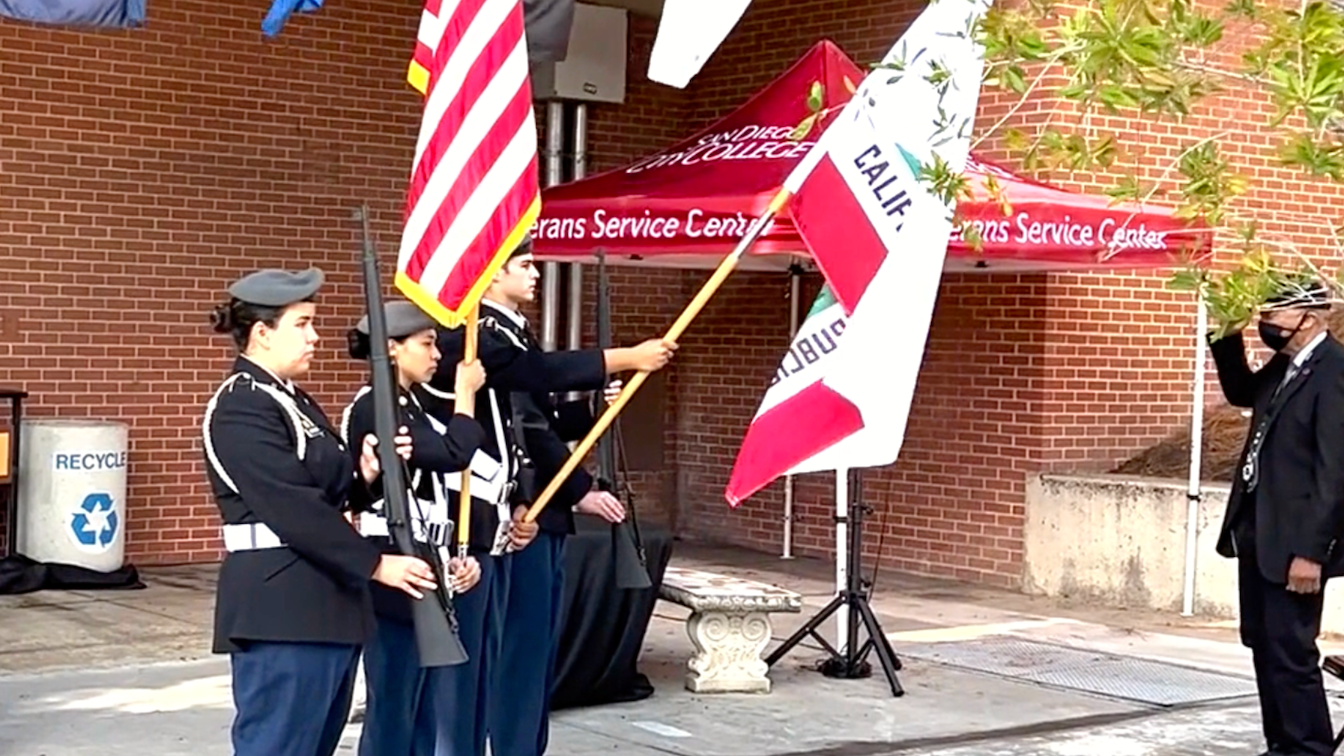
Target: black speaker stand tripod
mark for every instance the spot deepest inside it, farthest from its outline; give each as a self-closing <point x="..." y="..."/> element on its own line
<point x="853" y="663"/>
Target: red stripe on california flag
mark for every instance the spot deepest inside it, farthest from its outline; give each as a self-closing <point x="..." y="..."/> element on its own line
<point x="838" y="233"/>
<point x="502" y="132"/>
<point x="792" y="431"/>
<point x="483" y="71"/>
<point x="469" y="268"/>
<point x="454" y="29"/>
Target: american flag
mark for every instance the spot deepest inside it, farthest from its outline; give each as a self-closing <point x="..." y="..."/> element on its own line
<point x="474" y="189"/>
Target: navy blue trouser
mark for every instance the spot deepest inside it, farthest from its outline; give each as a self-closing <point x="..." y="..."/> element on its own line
<point x="292" y="699"/>
<point x="520" y="709"/>
<point x="397" y="721"/>
<point x="460" y="694"/>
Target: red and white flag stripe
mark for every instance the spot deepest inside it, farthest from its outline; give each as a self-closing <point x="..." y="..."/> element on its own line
<point x="474" y="187"/>
<point x="426" y="40"/>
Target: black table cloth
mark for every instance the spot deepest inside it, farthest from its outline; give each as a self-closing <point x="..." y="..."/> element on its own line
<point x="601" y="626"/>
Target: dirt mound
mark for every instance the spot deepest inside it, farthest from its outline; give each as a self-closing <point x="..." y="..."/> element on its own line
<point x="1224" y="434"/>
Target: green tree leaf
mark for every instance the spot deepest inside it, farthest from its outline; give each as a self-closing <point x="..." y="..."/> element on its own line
<point x="815" y="99"/>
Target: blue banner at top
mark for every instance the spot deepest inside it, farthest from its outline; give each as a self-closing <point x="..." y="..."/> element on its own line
<point x="117" y="14"/>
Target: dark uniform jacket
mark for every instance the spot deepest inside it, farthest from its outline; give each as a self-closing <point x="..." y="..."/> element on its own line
<point x="273" y="458"/>
<point x="1297" y="505"/>
<point x="433" y="454"/>
<point x="514" y="364"/>
<point x="547" y="428"/>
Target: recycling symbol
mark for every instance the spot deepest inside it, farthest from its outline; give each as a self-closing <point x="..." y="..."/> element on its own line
<point x="95" y="522"/>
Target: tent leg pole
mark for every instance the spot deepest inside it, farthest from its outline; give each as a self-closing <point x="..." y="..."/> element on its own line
<point x="795" y="287"/>
<point x="1193" y="494"/>
<point x="841" y="556"/>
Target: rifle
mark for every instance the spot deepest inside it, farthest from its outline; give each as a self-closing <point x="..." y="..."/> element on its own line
<point x="631" y="565"/>
<point x="435" y="621"/>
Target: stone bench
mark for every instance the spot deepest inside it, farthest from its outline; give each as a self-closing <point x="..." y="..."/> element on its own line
<point x="1334" y="665"/>
<point x="730" y="627"/>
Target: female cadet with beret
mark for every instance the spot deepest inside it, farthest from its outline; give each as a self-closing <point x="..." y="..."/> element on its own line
<point x="408" y="705"/>
<point x="292" y="604"/>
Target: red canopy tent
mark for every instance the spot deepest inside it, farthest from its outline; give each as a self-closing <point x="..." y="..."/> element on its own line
<point x="688" y="205"/>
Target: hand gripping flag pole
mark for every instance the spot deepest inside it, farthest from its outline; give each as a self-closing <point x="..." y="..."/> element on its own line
<point x="682" y="323"/>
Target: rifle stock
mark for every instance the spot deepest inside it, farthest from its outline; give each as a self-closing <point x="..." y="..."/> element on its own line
<point x="435" y="622"/>
<point x="631" y="569"/>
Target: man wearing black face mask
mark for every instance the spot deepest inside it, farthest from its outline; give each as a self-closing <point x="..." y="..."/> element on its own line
<point x="1285" y="514"/>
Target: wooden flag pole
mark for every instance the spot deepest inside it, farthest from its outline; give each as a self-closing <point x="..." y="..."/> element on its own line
<point x="682" y="323"/>
<point x="464" y="498"/>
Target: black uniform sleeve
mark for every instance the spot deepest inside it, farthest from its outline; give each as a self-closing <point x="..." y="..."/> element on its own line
<point x="574" y="419"/>
<point x="356" y="423"/>
<point x="251" y="444"/>
<point x="1323" y="516"/>
<point x="549" y="453"/>
<point x="1240" y="385"/>
<point x="509" y="366"/>
<point x="447" y="453"/>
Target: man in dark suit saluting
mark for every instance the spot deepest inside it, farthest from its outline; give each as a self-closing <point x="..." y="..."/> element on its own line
<point x="1285" y="514"/>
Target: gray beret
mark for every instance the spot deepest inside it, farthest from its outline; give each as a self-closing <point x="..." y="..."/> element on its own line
<point x="403" y="319"/>
<point x="276" y="288"/>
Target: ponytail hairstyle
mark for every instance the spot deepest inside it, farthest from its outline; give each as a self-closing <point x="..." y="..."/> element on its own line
<point x="237" y="318"/>
<point x="361" y="348"/>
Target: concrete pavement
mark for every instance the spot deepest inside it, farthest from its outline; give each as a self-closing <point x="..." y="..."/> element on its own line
<point x="129" y="673"/>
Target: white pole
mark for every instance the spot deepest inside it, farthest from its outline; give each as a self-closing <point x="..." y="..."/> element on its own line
<point x="795" y="282"/>
<point x="841" y="555"/>
<point x="1196" y="452"/>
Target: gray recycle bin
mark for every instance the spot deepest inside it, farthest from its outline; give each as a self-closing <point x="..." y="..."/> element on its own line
<point x="72" y="492"/>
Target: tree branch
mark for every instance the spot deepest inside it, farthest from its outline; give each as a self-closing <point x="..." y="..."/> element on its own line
<point x="1045" y="68"/>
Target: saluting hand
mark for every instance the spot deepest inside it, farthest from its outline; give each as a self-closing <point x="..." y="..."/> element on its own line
<point x="466" y="572"/>
<point x="653" y="355"/>
<point x="369" y="466"/>
<point x="405" y="573"/>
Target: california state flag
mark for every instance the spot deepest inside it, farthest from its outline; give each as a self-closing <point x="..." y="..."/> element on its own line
<point x="841" y="396"/>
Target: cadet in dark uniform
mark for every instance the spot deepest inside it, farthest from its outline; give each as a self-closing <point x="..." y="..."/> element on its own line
<point x="292" y="604"/>
<point x="407" y="705"/>
<point x="1285" y="514"/>
<point x="514" y="362"/>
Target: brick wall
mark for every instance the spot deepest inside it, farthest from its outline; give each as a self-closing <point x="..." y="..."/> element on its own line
<point x="134" y="186"/>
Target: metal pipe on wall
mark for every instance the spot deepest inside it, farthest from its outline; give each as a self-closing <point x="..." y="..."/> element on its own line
<point x="574" y="315"/>
<point x="550" y="272"/>
<point x="575" y="319"/>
